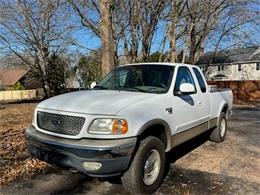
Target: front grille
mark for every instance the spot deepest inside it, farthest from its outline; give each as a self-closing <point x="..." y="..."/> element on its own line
<point x="64" y="124"/>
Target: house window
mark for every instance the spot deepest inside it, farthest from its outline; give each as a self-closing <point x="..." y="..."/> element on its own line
<point x="258" y="66"/>
<point x="220" y="68"/>
<point x="239" y="67"/>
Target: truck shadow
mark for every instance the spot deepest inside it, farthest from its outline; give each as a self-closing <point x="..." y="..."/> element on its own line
<point x="185" y="148"/>
<point x="190" y="181"/>
<point x="176" y="153"/>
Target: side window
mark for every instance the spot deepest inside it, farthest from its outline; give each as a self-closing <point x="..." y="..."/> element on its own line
<point x="183" y="76"/>
<point x="200" y="80"/>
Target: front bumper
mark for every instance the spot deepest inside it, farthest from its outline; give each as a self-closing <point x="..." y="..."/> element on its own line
<point x="114" y="155"/>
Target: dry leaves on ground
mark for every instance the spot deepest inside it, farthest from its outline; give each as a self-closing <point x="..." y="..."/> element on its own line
<point x="15" y="161"/>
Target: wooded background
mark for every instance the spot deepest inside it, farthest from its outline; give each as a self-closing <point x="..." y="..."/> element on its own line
<point x="42" y="34"/>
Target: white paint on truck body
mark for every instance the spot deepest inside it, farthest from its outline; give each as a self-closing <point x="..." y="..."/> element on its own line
<point x="140" y="108"/>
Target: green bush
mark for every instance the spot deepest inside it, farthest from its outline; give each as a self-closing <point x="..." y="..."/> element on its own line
<point x="89" y="68"/>
<point x="18" y="86"/>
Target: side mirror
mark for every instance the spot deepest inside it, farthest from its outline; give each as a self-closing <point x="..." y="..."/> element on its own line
<point x="93" y="84"/>
<point x="187" y="88"/>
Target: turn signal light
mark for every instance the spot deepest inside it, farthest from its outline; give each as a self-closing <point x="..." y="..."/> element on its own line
<point x="119" y="126"/>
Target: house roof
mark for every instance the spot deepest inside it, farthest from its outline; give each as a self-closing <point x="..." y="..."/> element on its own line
<point x="255" y="55"/>
<point x="9" y="77"/>
<point x="248" y="54"/>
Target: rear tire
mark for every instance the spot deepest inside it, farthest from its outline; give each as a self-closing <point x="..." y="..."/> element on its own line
<point x="146" y="171"/>
<point x="219" y="133"/>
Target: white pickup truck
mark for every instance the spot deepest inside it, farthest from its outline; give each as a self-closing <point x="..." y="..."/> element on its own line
<point x="127" y="123"/>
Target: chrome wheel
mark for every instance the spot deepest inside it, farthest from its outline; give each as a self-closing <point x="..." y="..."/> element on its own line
<point x="222" y="127"/>
<point x="152" y="167"/>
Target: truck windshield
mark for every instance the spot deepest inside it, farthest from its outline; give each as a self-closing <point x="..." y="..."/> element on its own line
<point x="140" y="78"/>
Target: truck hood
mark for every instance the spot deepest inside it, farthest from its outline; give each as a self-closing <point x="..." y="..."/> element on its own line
<point x="105" y="102"/>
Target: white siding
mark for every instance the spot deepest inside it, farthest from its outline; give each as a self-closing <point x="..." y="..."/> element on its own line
<point x="248" y="72"/>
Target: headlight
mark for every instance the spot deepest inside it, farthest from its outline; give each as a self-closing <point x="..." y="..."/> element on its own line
<point x="108" y="126"/>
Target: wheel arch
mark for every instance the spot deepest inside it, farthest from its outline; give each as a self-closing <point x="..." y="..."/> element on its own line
<point x="224" y="109"/>
<point x="163" y="131"/>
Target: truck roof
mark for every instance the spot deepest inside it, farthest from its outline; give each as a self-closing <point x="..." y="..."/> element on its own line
<point x="157" y="63"/>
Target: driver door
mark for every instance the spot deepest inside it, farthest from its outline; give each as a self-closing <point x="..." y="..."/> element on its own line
<point x="185" y="114"/>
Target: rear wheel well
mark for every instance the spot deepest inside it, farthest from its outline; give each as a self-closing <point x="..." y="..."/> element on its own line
<point x="225" y="109"/>
<point x="156" y="130"/>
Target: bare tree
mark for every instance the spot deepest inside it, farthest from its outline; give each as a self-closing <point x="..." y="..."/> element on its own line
<point x="201" y="19"/>
<point x="136" y="22"/>
<point x="175" y="29"/>
<point x="190" y="26"/>
<point x="228" y="33"/>
<point x="150" y="17"/>
<point x="37" y="32"/>
<point x="218" y="25"/>
<point x="97" y="16"/>
<point x="127" y="25"/>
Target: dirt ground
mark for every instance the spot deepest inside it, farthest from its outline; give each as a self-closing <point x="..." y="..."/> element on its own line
<point x="197" y="167"/>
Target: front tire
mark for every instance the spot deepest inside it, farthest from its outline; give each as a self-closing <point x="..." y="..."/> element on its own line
<point x="219" y="133"/>
<point x="146" y="172"/>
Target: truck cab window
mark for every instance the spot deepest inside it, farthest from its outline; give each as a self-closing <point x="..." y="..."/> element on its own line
<point x="183" y="76"/>
<point x="200" y="80"/>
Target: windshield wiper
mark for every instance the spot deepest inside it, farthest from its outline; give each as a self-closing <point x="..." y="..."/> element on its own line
<point x="136" y="88"/>
<point x="99" y="87"/>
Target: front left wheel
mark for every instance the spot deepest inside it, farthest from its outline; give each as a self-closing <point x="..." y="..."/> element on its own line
<point x="146" y="171"/>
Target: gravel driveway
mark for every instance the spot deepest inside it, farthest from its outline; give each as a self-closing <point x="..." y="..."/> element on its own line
<point x="198" y="167"/>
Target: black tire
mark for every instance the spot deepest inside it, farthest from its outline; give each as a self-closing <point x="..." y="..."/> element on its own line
<point x="217" y="135"/>
<point x="133" y="178"/>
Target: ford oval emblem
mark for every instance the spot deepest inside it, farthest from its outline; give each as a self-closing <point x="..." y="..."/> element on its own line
<point x="55" y="122"/>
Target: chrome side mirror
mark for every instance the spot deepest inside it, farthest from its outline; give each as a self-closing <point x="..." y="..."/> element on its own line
<point x="93" y="84"/>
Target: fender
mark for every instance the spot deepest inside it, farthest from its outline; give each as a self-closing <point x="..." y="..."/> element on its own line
<point x="162" y="122"/>
<point x="222" y="108"/>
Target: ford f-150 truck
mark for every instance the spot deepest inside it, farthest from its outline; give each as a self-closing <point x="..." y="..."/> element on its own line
<point x="125" y="125"/>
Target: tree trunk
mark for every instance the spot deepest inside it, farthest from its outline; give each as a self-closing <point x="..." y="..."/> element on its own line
<point x="126" y="51"/>
<point x="162" y="49"/>
<point x="172" y="39"/>
<point x="147" y="36"/>
<point x="192" y="45"/>
<point x="172" y="32"/>
<point x="183" y="56"/>
<point x="106" y="33"/>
